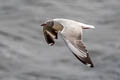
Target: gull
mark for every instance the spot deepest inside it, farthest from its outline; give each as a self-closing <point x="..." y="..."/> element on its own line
<point x="71" y="32"/>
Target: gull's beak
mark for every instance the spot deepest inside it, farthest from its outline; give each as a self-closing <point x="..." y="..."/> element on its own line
<point x="43" y="24"/>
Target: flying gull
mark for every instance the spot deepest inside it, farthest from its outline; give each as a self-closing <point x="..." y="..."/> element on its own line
<point x="71" y="31"/>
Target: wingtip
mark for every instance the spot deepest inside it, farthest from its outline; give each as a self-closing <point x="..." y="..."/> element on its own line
<point x="51" y="44"/>
<point x="90" y="65"/>
<point x="92" y="27"/>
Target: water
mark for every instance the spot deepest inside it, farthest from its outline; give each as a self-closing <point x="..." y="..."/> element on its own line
<point x="24" y="54"/>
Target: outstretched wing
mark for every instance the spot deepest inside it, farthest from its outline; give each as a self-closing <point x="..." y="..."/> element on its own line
<point x="79" y="50"/>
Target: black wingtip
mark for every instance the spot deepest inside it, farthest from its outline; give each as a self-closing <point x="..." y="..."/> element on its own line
<point x="85" y="61"/>
<point x="90" y="65"/>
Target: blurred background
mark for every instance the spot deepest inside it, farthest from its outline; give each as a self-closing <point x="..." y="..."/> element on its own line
<point x="24" y="54"/>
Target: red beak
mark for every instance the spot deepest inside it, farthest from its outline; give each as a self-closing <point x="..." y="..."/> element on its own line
<point x="43" y="24"/>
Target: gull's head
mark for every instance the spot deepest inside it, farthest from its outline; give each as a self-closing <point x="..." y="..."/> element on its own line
<point x="48" y="24"/>
<point x="53" y="25"/>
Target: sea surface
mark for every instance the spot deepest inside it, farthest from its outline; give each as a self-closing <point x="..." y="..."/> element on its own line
<point x="24" y="54"/>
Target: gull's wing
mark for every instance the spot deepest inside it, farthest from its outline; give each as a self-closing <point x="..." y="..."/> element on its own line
<point x="50" y="35"/>
<point x="79" y="50"/>
<point x="48" y="38"/>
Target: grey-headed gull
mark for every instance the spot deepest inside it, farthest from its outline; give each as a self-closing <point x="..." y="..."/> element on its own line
<point x="71" y="32"/>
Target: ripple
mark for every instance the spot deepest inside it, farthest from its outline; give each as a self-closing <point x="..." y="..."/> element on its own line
<point x="14" y="37"/>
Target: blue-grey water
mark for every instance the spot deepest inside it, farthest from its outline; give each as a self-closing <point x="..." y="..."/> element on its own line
<point x="24" y="54"/>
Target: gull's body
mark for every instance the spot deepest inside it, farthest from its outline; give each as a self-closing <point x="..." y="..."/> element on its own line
<point x="71" y="32"/>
